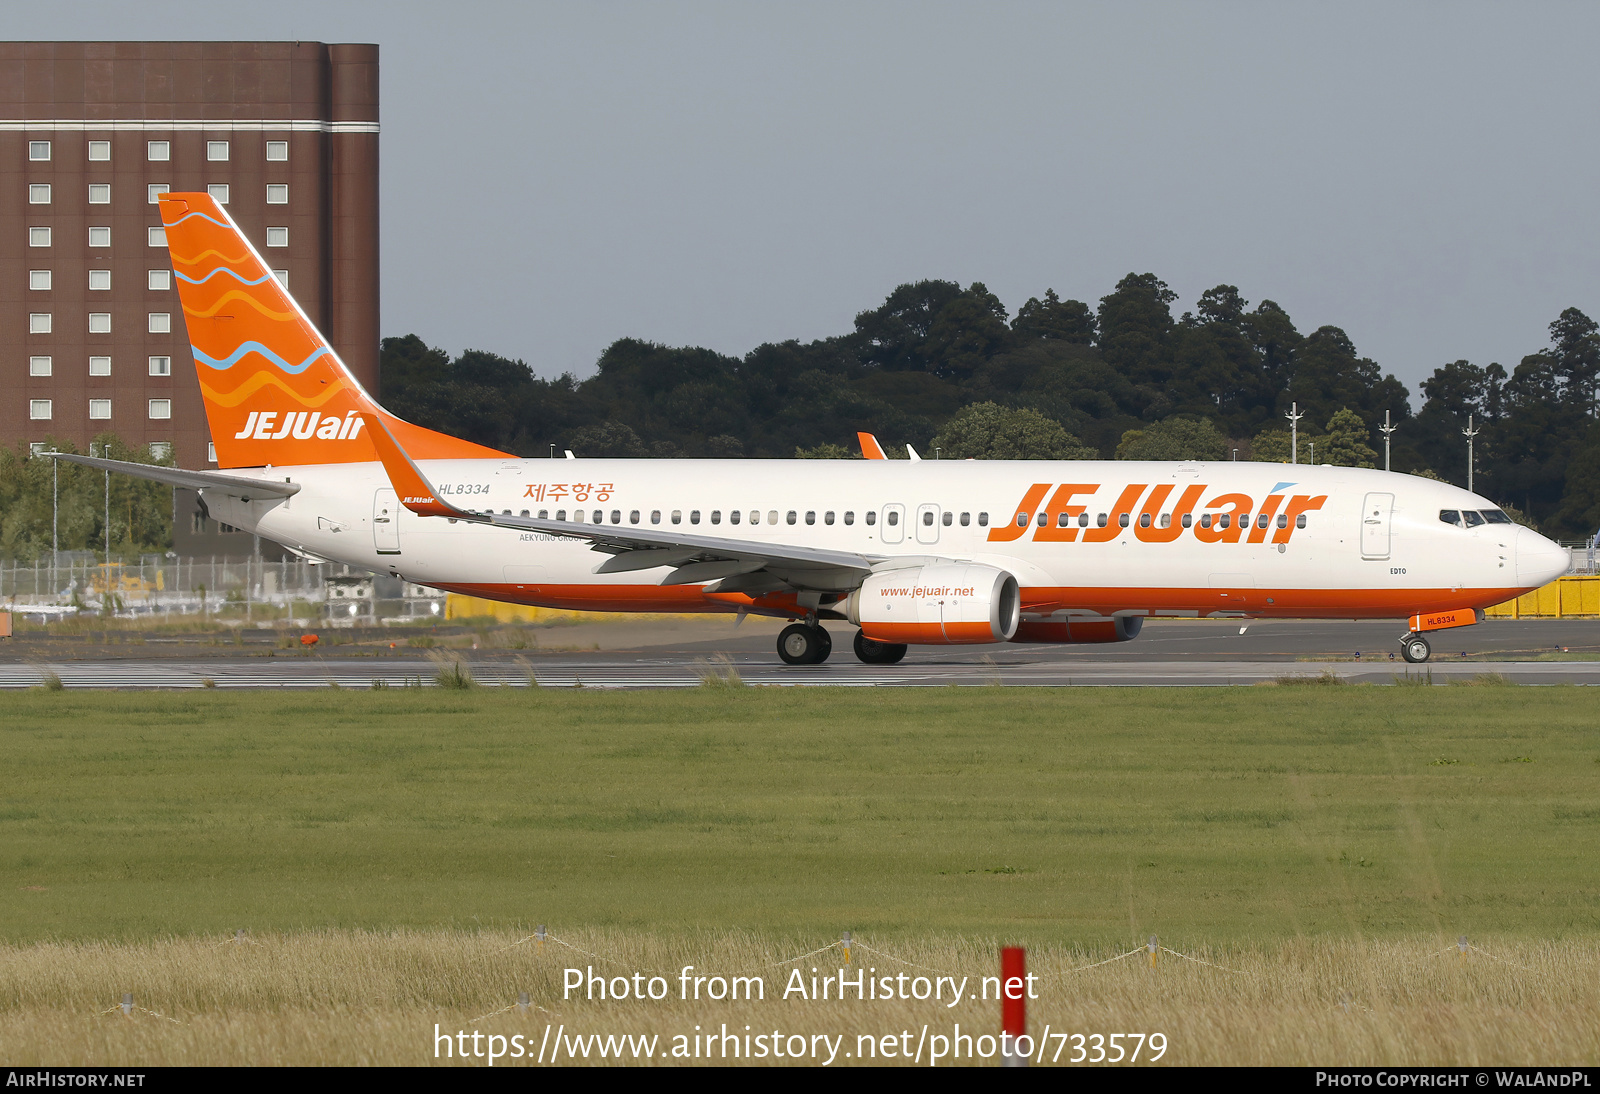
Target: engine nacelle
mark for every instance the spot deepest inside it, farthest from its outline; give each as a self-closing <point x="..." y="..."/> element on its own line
<point x="941" y="604"/>
<point x="1119" y="628"/>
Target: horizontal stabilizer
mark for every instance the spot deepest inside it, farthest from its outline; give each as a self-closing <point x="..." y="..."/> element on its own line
<point x="239" y="486"/>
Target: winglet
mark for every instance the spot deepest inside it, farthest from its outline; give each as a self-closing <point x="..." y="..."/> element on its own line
<point x="415" y="491"/>
<point x="870" y="448"/>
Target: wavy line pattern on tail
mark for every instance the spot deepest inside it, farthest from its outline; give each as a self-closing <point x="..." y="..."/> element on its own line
<point x="246" y="332"/>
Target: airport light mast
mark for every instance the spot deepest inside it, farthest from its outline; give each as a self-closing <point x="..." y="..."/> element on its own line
<point x="1387" y="429"/>
<point x="1469" y="433"/>
<point x="1294" y="417"/>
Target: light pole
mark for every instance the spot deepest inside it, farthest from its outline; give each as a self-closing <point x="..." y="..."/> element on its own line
<point x="105" y="454"/>
<point x="55" y="510"/>
<point x="1387" y="429"/>
<point x="1294" y="417"/>
<point x="1469" y="433"/>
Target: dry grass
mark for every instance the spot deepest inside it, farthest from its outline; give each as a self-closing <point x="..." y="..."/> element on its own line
<point x="340" y="997"/>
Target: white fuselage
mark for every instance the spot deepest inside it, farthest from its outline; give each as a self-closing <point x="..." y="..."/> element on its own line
<point x="1339" y="542"/>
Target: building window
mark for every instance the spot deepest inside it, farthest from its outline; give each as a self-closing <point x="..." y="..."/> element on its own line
<point x="99" y="409"/>
<point x="282" y="276"/>
<point x="99" y="193"/>
<point x="160" y="450"/>
<point x="211" y="451"/>
<point x="39" y="323"/>
<point x="277" y="237"/>
<point x="39" y="409"/>
<point x="38" y="150"/>
<point x="99" y="366"/>
<point x="99" y="237"/>
<point x="153" y="192"/>
<point x="99" y="150"/>
<point x="158" y="151"/>
<point x="161" y="366"/>
<point x="39" y="366"/>
<point x="38" y="193"/>
<point x="38" y="237"/>
<point x="277" y="193"/>
<point x="99" y="322"/>
<point x="38" y="279"/>
<point x="99" y="279"/>
<point x="277" y="151"/>
<point x="160" y="280"/>
<point x="160" y="408"/>
<point x="160" y="322"/>
<point x="157" y="237"/>
<point x="218" y="192"/>
<point x="217" y="151"/>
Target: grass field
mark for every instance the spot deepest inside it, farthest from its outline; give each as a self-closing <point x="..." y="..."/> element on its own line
<point x="1082" y="817"/>
<point x="385" y="849"/>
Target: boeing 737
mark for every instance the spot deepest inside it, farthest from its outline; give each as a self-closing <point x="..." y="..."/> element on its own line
<point x="908" y="552"/>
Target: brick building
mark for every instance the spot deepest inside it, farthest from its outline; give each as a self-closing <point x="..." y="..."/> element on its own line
<point x="91" y="330"/>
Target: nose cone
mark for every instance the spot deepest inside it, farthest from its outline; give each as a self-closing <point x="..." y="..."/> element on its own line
<point x="1539" y="561"/>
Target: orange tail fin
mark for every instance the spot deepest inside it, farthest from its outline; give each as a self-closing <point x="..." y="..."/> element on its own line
<point x="275" y="391"/>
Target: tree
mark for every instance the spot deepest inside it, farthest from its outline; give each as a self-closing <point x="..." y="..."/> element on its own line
<point x="1575" y="348"/>
<point x="607" y="439"/>
<point x="891" y="335"/>
<point x="140" y="510"/>
<point x="1271" y="446"/>
<point x="1135" y="319"/>
<point x="827" y="451"/>
<point x="989" y="431"/>
<point x="1345" y="442"/>
<point x="1054" y="319"/>
<point x="1174" y="439"/>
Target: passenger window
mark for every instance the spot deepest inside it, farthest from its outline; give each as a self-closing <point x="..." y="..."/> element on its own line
<point x="1044" y="520"/>
<point x="827" y="518"/>
<point x="561" y="514"/>
<point x="871" y="517"/>
<point x="811" y="516"/>
<point x="1450" y="516"/>
<point x="772" y="516"/>
<point x="1122" y="520"/>
<point x="633" y="517"/>
<point x="1022" y="520"/>
<point x="1283" y="520"/>
<point x="1144" y="521"/>
<point x="1083" y="520"/>
<point x="948" y="517"/>
<point x="655" y="516"/>
<point x="600" y="517"/>
<point x="616" y="517"/>
<point x="1300" y="521"/>
<point x="716" y="516"/>
<point x="733" y="516"/>
<point x="893" y="518"/>
<point x="755" y="516"/>
<point x="1244" y="520"/>
<point x="1187" y="520"/>
<point x="983" y="520"/>
<point x="789" y="516"/>
<point x="1263" y="520"/>
<point x="694" y="516"/>
<point x="1205" y="520"/>
<point x="677" y="516"/>
<point x="966" y="519"/>
<point x="1473" y="519"/>
<point x="1166" y="520"/>
<point x="523" y="513"/>
<point x="544" y="514"/>
<point x="849" y="516"/>
<point x="1225" y="520"/>
<point x="1100" y="520"/>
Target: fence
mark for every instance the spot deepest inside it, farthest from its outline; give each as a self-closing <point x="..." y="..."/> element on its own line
<point x="1572" y="597"/>
<point x="233" y="589"/>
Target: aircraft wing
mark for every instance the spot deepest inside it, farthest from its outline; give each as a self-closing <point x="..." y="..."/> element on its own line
<point x="238" y="486"/>
<point x="694" y="558"/>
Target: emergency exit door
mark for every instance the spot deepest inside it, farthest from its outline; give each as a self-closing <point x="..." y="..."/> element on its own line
<point x="386" y="522"/>
<point x="1375" y="515"/>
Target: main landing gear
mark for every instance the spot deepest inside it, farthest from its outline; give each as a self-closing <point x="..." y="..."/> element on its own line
<point x="804" y="644"/>
<point x="878" y="653"/>
<point x="1415" y="649"/>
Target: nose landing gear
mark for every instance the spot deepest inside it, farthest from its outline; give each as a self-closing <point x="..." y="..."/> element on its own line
<point x="804" y="644"/>
<point x="1415" y="649"/>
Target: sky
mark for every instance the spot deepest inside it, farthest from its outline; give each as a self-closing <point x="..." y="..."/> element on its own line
<point x="557" y="176"/>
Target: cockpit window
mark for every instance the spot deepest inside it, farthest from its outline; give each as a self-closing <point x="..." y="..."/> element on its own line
<point x="1450" y="516"/>
<point x="1473" y="519"/>
<point x="1495" y="516"/>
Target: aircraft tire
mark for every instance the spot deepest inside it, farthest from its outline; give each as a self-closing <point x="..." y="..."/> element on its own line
<point x="824" y="646"/>
<point x="878" y="653"/>
<point x="1415" y="649"/>
<point x="798" y="644"/>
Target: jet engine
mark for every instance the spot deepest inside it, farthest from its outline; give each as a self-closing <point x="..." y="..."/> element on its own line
<point x="939" y="604"/>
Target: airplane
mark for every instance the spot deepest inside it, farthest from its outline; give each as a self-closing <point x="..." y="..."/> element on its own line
<point x="909" y="552"/>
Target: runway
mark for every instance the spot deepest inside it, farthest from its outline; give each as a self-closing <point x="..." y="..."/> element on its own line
<point x="669" y="655"/>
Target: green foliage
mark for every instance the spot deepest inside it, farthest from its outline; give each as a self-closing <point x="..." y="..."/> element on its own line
<point x="826" y="451"/>
<point x="140" y="511"/>
<point x="1345" y="442"/>
<point x="1272" y="446"/>
<point x="1174" y="439"/>
<point x="988" y="431"/>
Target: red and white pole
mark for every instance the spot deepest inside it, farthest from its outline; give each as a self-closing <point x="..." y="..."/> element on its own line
<point x="1013" y="1003"/>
